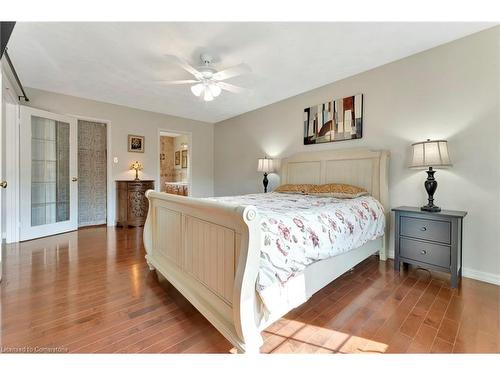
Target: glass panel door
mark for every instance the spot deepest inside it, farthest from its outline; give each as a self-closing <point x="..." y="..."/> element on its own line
<point x="48" y="173"/>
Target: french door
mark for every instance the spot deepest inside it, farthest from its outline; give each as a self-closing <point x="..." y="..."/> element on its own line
<point x="48" y="177"/>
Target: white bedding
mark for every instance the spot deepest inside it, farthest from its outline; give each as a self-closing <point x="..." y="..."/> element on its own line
<point x="298" y="230"/>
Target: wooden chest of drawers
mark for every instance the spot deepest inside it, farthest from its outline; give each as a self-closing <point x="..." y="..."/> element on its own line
<point x="429" y="240"/>
<point x="131" y="203"/>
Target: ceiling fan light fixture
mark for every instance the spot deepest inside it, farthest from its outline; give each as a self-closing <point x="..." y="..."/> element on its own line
<point x="208" y="97"/>
<point x="215" y="89"/>
<point x="208" y="81"/>
<point x="197" y="89"/>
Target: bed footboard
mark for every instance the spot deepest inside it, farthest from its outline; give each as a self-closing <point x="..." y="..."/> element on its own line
<point x="209" y="252"/>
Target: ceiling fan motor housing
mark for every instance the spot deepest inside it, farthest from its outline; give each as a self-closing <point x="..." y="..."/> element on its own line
<point x="206" y="59"/>
<point x="207" y="70"/>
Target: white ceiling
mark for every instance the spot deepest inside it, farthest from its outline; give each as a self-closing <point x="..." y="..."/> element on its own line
<point x="121" y="63"/>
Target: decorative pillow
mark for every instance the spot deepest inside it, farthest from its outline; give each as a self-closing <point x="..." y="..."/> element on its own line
<point x="294" y="188"/>
<point x="337" y="191"/>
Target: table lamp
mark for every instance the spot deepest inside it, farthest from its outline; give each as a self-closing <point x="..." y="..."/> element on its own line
<point x="431" y="154"/>
<point x="266" y="166"/>
<point x="136" y="166"/>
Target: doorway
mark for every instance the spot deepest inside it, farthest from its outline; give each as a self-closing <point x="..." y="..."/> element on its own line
<point x="175" y="163"/>
<point x="64" y="170"/>
<point x="48" y="178"/>
<point x="92" y="173"/>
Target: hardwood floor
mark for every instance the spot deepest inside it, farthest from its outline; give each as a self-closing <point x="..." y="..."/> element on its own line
<point x="91" y="292"/>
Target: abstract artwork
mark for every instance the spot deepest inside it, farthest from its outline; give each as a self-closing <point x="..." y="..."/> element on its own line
<point x="337" y="120"/>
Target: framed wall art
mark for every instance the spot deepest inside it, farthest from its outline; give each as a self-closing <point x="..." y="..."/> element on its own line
<point x="184" y="159"/>
<point x="336" y="120"/>
<point x="135" y="143"/>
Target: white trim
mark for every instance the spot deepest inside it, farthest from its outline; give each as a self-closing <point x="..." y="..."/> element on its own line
<point x="472" y="274"/>
<point x="2" y="142"/>
<point x="481" y="276"/>
<point x="171" y="133"/>
<point x="12" y="163"/>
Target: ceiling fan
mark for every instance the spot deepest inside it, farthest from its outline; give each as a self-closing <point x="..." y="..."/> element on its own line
<point x="208" y="80"/>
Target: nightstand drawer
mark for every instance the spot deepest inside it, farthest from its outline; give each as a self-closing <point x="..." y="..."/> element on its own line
<point x="425" y="229"/>
<point x="437" y="255"/>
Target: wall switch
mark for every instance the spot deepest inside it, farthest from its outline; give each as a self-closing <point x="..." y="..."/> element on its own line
<point x="115" y="160"/>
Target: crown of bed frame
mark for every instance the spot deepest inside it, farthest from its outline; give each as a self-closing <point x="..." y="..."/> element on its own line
<point x="365" y="168"/>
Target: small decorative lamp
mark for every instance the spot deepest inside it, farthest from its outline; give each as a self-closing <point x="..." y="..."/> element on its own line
<point x="430" y="154"/>
<point x="136" y="166"/>
<point x="266" y="166"/>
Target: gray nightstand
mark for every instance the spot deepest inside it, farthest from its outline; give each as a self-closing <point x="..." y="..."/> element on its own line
<point x="429" y="240"/>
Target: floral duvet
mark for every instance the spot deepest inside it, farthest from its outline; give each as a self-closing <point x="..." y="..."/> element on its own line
<point x="298" y="230"/>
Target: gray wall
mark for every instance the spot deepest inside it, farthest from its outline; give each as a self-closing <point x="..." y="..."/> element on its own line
<point x="448" y="92"/>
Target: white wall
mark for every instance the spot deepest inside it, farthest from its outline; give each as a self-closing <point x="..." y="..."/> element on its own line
<point x="124" y="121"/>
<point x="450" y="92"/>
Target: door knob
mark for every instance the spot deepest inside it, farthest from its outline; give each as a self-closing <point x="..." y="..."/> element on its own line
<point x="3" y="184"/>
<point x="74" y="179"/>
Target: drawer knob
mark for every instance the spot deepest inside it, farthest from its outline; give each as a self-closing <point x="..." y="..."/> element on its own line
<point x="423" y="252"/>
<point x="423" y="229"/>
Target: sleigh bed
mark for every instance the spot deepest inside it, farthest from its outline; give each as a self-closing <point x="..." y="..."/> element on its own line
<point x="210" y="249"/>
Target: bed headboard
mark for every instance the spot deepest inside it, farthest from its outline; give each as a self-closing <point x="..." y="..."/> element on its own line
<point x="360" y="167"/>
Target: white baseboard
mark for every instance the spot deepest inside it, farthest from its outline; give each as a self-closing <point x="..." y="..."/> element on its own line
<point x="481" y="276"/>
<point x="472" y="274"/>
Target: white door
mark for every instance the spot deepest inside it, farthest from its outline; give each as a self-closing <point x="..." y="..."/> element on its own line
<point x="48" y="180"/>
<point x="3" y="184"/>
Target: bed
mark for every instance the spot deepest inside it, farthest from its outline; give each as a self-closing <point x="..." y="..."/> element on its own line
<point x="210" y="249"/>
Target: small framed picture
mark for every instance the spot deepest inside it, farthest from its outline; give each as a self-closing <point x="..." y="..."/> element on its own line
<point x="135" y="143"/>
<point x="184" y="158"/>
<point x="177" y="157"/>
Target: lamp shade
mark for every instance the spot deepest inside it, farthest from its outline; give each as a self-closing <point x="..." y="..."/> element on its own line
<point x="197" y="89"/>
<point x="265" y="165"/>
<point x="137" y="166"/>
<point x="430" y="154"/>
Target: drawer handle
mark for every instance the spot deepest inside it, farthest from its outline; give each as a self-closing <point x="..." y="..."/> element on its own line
<point x="423" y="229"/>
<point x="423" y="252"/>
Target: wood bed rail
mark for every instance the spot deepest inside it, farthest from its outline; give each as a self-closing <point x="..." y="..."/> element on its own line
<point x="209" y="252"/>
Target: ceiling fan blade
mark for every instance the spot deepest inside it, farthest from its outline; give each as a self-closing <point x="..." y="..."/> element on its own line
<point x="179" y="82"/>
<point x="230" y="88"/>
<point x="232" y="72"/>
<point x="185" y="65"/>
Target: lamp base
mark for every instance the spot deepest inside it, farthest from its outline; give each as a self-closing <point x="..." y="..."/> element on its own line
<point x="430" y="186"/>
<point x="265" y="181"/>
<point x="430" y="208"/>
